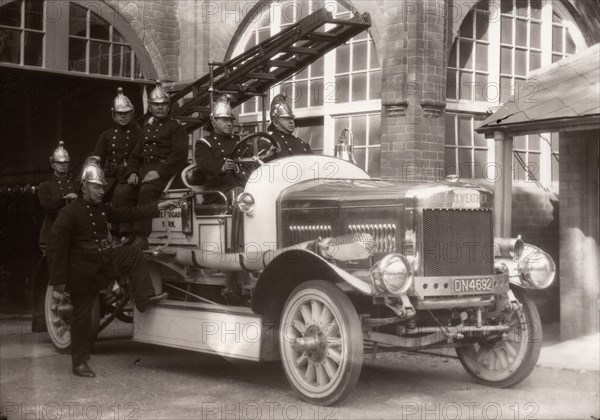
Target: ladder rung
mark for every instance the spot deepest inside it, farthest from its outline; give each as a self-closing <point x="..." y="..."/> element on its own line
<point x="302" y="50"/>
<point x="321" y="36"/>
<point x="187" y="119"/>
<point x="281" y="63"/>
<point x="261" y="76"/>
<point x="200" y="109"/>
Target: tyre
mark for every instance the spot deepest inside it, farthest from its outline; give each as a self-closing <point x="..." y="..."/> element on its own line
<point x="58" y="311"/>
<point x="506" y="362"/>
<point x="321" y="342"/>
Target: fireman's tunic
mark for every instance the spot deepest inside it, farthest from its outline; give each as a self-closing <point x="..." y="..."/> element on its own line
<point x="50" y="194"/>
<point x="114" y="147"/>
<point x="210" y="154"/>
<point x="163" y="147"/>
<point x="77" y="257"/>
<point x="289" y="145"/>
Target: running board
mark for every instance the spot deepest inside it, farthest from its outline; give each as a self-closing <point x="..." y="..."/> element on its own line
<point x="229" y="331"/>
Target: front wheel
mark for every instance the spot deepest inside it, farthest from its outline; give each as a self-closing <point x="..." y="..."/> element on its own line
<point x="505" y="361"/>
<point x="58" y="310"/>
<point x="321" y="342"/>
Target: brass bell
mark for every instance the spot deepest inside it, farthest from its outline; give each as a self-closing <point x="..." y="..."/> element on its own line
<point x="343" y="148"/>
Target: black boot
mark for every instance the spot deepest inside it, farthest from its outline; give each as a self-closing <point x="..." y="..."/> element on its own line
<point x="83" y="370"/>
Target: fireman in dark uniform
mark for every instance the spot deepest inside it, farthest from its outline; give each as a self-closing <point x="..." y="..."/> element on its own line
<point x="79" y="256"/>
<point x="215" y="168"/>
<point x="56" y="191"/>
<point x="116" y="144"/>
<point x="282" y="126"/>
<point x="161" y="151"/>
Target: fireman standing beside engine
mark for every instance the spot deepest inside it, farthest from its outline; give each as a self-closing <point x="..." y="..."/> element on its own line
<point x="80" y="257"/>
<point x="215" y="169"/>
<point x="161" y="151"/>
<point x="116" y="144"/>
<point x="282" y="126"/>
<point x="55" y="192"/>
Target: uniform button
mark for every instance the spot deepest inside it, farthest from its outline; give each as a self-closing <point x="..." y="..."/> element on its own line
<point x="59" y="182"/>
<point x="146" y="138"/>
<point x="114" y="160"/>
<point x="103" y="214"/>
<point x="126" y="144"/>
<point x="127" y="137"/>
<point x="114" y="145"/>
<point x="91" y="213"/>
<point x="222" y="150"/>
<point x="93" y="223"/>
<point x="289" y="149"/>
<point x="160" y="125"/>
<point x="116" y="130"/>
<point x="128" y="131"/>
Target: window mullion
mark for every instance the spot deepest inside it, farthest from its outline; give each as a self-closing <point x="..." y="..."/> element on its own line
<point x="494" y="50"/>
<point x="546" y="32"/>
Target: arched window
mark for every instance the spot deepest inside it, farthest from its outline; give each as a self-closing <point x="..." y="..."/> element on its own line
<point x="67" y="36"/>
<point x="340" y="90"/>
<point x="498" y="44"/>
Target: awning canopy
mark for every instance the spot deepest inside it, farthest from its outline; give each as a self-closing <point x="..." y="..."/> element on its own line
<point x="562" y="97"/>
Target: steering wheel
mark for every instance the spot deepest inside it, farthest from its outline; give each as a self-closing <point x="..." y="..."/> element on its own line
<point x="250" y="153"/>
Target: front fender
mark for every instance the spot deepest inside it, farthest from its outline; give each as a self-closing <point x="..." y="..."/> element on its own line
<point x="289" y="269"/>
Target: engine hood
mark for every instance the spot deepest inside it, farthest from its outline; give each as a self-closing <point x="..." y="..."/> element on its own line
<point x="364" y="193"/>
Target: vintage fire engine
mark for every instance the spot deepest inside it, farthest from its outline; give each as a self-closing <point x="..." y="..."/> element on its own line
<point x="315" y="263"/>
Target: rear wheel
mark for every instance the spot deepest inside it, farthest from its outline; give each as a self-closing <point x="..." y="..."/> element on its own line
<point x="58" y="310"/>
<point x="321" y="342"/>
<point x="504" y="362"/>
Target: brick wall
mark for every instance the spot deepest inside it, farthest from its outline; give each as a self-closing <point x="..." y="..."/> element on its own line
<point x="414" y="70"/>
<point x="579" y="236"/>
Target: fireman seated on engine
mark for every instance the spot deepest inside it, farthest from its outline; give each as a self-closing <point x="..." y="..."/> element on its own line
<point x="215" y="169"/>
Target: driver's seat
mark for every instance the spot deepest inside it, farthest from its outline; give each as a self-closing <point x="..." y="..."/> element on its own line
<point x="200" y="208"/>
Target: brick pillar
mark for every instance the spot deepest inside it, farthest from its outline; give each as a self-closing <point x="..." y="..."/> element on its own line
<point x="195" y="41"/>
<point x="579" y="233"/>
<point x="413" y="98"/>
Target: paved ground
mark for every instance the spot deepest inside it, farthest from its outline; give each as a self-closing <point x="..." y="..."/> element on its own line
<point x="139" y="381"/>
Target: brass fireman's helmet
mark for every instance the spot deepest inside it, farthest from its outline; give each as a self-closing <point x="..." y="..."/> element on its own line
<point x="221" y="108"/>
<point x="60" y="154"/>
<point x="92" y="172"/>
<point x="121" y="102"/>
<point x="280" y="107"/>
<point x="158" y="95"/>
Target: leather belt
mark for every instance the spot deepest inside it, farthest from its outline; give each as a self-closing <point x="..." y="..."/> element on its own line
<point x="150" y="159"/>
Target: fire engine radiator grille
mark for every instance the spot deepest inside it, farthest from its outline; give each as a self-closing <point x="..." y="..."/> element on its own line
<point x="457" y="242"/>
<point x="303" y="233"/>
<point x="384" y="235"/>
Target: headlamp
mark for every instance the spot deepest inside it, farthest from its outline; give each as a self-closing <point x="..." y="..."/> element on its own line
<point x="536" y="267"/>
<point x="392" y="274"/>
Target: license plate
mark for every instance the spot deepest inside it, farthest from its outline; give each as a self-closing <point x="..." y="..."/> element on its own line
<point x="474" y="285"/>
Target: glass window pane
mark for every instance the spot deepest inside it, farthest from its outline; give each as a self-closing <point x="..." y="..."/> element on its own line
<point x="10" y="14"/>
<point x="535" y="34"/>
<point x="374" y="166"/>
<point x="466" y="85"/>
<point x="121" y="61"/>
<point x="519" y="173"/>
<point x="479" y="139"/>
<point x="557" y="44"/>
<point x="99" y="52"/>
<point x="117" y="37"/>
<point x="570" y="45"/>
<point x="99" y="28"/>
<point x="450" y="160"/>
<point x="555" y="172"/>
<point x="34" y="47"/>
<point x="465" y="164"/>
<point x="533" y="166"/>
<point x="450" y="135"/>
<point x="263" y="34"/>
<point x="520" y="142"/>
<point x="556" y="18"/>
<point x="520" y="62"/>
<point x="554" y="141"/>
<point x="535" y="60"/>
<point x="375" y="84"/>
<point x="302" y="74"/>
<point x="359" y="130"/>
<point x="464" y="131"/>
<point x="466" y="54"/>
<point x="506" y="25"/>
<point x="505" y="89"/>
<point x="482" y="57"/>
<point x="482" y="5"/>
<point x="480" y="87"/>
<point x="342" y="58"/>
<point x="287" y="13"/>
<point x="556" y="57"/>
<point x="359" y="57"/>
<point x="534" y="142"/>
<point x="451" y="85"/>
<point x="316" y="92"/>
<point x="466" y="28"/>
<point x="34" y="15"/>
<point x="506" y="7"/>
<point x="342" y="87"/>
<point x="480" y="163"/>
<point x="10" y="48"/>
<point x="452" y="58"/>
<point x="300" y="99"/>
<point x="339" y="124"/>
<point x="536" y="9"/>
<point x="359" y="156"/>
<point x="374" y="129"/>
<point x="374" y="60"/>
<point x="77" y="20"/>
<point x="522" y="8"/>
<point x="313" y="135"/>
<point x="316" y="68"/>
<point x="359" y="87"/>
<point x="77" y="54"/>
<point x="481" y="26"/>
<point x="521" y="33"/>
<point x="506" y="60"/>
